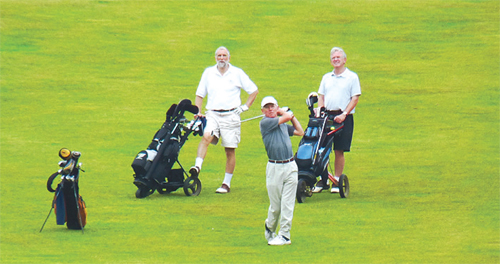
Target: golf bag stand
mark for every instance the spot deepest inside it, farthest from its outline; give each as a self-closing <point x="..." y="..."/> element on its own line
<point x="313" y="154"/>
<point x="68" y="204"/>
<point x="153" y="166"/>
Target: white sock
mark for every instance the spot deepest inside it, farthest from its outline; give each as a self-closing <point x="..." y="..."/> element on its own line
<point x="227" y="179"/>
<point x="198" y="162"/>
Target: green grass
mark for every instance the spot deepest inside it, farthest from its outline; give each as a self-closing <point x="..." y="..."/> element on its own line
<point x="98" y="76"/>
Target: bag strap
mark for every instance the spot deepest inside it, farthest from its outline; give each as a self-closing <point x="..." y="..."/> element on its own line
<point x="50" y="180"/>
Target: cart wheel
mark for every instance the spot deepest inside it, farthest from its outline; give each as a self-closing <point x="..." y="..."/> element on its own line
<point x="303" y="191"/>
<point x="192" y="186"/>
<point x="143" y="192"/>
<point x="343" y="186"/>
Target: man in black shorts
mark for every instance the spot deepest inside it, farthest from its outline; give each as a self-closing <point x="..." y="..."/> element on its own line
<point x="339" y="93"/>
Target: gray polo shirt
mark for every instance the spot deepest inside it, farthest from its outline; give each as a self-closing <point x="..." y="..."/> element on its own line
<point x="276" y="138"/>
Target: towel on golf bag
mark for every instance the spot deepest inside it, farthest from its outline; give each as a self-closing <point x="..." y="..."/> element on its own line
<point x="66" y="208"/>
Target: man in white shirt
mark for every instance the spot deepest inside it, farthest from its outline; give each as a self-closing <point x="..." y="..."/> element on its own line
<point x="222" y="85"/>
<point x="339" y="93"/>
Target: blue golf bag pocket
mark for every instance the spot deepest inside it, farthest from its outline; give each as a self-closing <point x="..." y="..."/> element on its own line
<point x="311" y="132"/>
<point x="305" y="154"/>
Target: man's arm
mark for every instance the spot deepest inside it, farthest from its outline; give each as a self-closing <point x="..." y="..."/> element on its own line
<point x="244" y="107"/>
<point x="288" y="116"/>
<point x="199" y="103"/>
<point x="321" y="101"/>
<point x="251" y="98"/>
<point x="354" y="101"/>
<point x="299" y="131"/>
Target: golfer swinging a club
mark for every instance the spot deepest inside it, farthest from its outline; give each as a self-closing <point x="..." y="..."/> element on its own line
<point x="222" y="85"/>
<point x="281" y="170"/>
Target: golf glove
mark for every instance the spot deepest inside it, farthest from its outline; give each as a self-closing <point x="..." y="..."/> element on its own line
<point x="285" y="108"/>
<point x="241" y="109"/>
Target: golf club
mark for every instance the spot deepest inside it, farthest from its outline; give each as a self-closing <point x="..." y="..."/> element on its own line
<point x="252" y="118"/>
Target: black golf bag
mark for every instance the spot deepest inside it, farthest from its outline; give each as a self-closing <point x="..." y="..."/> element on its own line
<point x="153" y="166"/>
<point x="313" y="154"/>
<point x="68" y="204"/>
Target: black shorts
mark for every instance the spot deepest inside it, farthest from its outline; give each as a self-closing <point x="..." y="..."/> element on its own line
<point x="343" y="140"/>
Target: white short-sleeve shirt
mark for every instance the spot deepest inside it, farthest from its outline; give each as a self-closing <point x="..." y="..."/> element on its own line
<point x="223" y="91"/>
<point x="338" y="89"/>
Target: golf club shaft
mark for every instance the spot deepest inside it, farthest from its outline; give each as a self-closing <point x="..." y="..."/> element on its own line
<point x="252" y="118"/>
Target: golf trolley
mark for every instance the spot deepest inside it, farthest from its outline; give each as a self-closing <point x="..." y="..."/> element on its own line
<point x="68" y="204"/>
<point x="313" y="154"/>
<point x="153" y="166"/>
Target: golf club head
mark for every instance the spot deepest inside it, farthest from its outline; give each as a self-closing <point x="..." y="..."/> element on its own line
<point x="182" y="107"/>
<point x="171" y="112"/>
<point x="65" y="153"/>
<point x="312" y="98"/>
<point x="193" y="109"/>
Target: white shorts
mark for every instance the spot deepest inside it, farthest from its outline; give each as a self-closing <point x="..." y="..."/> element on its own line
<point x="225" y="126"/>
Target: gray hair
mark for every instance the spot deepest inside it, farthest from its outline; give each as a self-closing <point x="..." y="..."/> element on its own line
<point x="222" y="47"/>
<point x="337" y="49"/>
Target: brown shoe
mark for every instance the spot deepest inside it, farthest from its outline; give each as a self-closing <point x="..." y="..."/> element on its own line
<point x="223" y="189"/>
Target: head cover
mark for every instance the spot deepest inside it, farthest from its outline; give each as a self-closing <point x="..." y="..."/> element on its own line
<point x="312" y="98"/>
<point x="268" y="100"/>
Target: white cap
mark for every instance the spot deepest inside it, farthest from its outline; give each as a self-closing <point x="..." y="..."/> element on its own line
<point x="268" y="100"/>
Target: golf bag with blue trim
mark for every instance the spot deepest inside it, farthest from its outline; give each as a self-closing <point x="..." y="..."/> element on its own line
<point x="313" y="154"/>
<point x="153" y="166"/>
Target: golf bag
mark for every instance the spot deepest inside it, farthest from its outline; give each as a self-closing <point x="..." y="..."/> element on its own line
<point x="313" y="154"/>
<point x="153" y="166"/>
<point x="68" y="204"/>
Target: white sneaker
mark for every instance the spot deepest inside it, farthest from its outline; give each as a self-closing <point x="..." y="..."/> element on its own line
<point x="194" y="171"/>
<point x="335" y="184"/>
<point x="320" y="187"/>
<point x="317" y="189"/>
<point x="269" y="235"/>
<point x="279" y="241"/>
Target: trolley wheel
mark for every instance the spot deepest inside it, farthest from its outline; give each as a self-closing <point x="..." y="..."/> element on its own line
<point x="192" y="186"/>
<point x="343" y="186"/>
<point x="143" y="192"/>
<point x="303" y="191"/>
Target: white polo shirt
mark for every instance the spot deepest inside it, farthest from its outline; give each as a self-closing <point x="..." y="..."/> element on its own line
<point x="224" y="90"/>
<point x="338" y="89"/>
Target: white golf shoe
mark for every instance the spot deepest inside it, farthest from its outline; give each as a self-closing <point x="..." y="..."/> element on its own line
<point x="223" y="189"/>
<point x="279" y="241"/>
<point x="194" y="171"/>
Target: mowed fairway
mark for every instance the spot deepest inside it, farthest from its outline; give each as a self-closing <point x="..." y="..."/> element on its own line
<point x="98" y="77"/>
